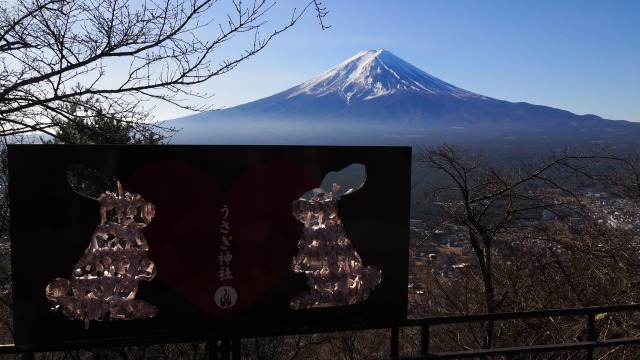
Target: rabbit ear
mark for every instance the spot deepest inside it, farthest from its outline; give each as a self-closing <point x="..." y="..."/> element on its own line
<point x="345" y="181"/>
<point x="90" y="182"/>
<point x="339" y="183"/>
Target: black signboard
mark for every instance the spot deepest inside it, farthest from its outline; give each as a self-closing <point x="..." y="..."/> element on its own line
<point x="130" y="241"/>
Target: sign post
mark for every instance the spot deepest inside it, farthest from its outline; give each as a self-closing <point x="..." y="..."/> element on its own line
<point x="139" y="241"/>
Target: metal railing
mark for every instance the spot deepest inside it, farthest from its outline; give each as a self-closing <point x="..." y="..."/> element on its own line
<point x="587" y="346"/>
<point x="228" y="346"/>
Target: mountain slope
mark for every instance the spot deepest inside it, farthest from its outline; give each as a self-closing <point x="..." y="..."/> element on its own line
<point x="370" y="74"/>
<point x="377" y="98"/>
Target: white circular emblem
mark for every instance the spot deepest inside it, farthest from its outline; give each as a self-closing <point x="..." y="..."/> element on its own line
<point x="225" y="297"/>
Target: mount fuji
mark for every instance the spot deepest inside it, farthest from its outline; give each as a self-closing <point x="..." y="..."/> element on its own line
<point x="376" y="98"/>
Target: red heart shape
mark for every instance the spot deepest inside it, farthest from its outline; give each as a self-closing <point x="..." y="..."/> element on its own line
<point x="185" y="236"/>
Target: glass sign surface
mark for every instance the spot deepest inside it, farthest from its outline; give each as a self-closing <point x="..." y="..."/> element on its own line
<point x="129" y="241"/>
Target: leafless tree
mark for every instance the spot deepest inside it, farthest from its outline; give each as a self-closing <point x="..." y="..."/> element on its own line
<point x="494" y="203"/>
<point x="54" y="54"/>
<point x="624" y="176"/>
<point x="308" y="346"/>
<point x="351" y="345"/>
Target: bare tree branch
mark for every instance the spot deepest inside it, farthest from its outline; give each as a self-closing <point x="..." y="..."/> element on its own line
<point x="123" y="51"/>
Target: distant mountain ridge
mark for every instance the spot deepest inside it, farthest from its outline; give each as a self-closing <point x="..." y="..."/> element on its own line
<point x="376" y="98"/>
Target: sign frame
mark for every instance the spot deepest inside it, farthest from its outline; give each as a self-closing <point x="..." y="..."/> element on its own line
<point x="51" y="227"/>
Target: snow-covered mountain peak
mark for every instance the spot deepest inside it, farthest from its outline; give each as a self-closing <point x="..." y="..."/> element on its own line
<point x="374" y="73"/>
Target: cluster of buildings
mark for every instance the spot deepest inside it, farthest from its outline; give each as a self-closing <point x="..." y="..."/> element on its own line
<point x="447" y="253"/>
<point x="617" y="212"/>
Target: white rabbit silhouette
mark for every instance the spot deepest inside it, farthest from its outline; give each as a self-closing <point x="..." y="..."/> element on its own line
<point x="333" y="267"/>
<point x="105" y="280"/>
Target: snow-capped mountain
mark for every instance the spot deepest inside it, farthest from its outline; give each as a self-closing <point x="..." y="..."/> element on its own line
<point x="375" y="73"/>
<point x="377" y="98"/>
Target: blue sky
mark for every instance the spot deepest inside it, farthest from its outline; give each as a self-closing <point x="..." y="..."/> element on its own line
<point x="578" y="55"/>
